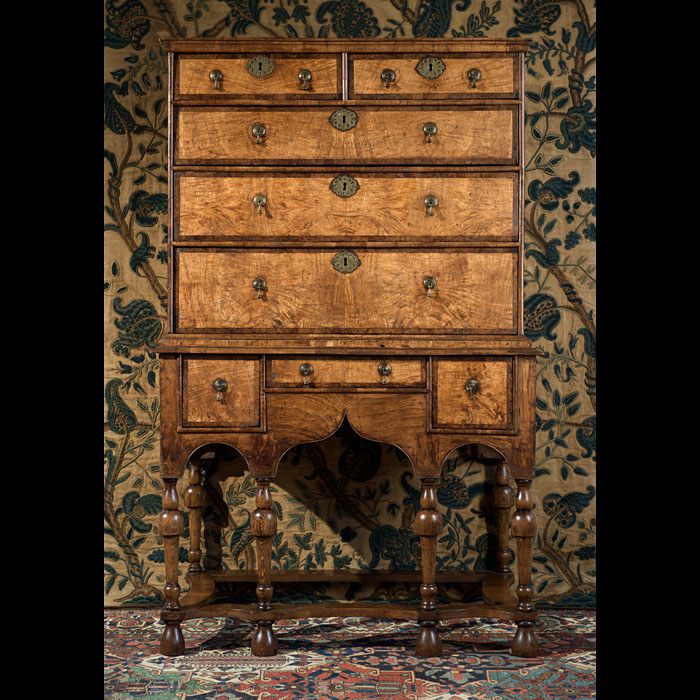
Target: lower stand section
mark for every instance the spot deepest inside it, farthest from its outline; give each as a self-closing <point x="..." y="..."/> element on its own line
<point x="428" y="643"/>
<point x="264" y="642"/>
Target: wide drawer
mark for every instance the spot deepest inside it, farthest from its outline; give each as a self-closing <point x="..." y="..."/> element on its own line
<point x="221" y="391"/>
<point x="433" y="76"/>
<point x="313" y="290"/>
<point x="343" y="372"/>
<point x="272" y="76"/>
<point x="346" y="205"/>
<point x="382" y="135"/>
<point x="473" y="393"/>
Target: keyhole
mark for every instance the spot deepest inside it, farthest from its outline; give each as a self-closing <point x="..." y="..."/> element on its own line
<point x="260" y="66"/>
<point x="345" y="186"/>
<point x="345" y="261"/>
<point x="343" y="119"/>
<point x="430" y="67"/>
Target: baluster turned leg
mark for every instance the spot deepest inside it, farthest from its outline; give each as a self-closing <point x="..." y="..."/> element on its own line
<point x="195" y="499"/>
<point x="171" y="525"/>
<point x="264" y="527"/>
<point x="502" y="501"/>
<point x="524" y="530"/>
<point x="428" y="525"/>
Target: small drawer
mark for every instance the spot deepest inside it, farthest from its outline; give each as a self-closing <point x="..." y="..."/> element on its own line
<point x="473" y="393"/>
<point x="221" y="392"/>
<point x="433" y="76"/>
<point x="263" y="77"/>
<point x="342" y="372"/>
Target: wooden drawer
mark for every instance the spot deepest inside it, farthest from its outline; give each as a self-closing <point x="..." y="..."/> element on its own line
<point x="474" y="206"/>
<point x="382" y="135"/>
<point x="476" y="291"/>
<point x="490" y="407"/>
<point x="498" y="79"/>
<point x="192" y="77"/>
<point x="240" y="401"/>
<point x="344" y="372"/>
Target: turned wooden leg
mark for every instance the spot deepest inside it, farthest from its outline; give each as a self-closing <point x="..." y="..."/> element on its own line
<point x="502" y="501"/>
<point x="428" y="525"/>
<point x="524" y="530"/>
<point x="195" y="499"/>
<point x="264" y="526"/>
<point x="171" y="525"/>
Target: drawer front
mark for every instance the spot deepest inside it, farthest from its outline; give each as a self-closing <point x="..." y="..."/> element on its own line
<point x="475" y="291"/>
<point x="193" y="77"/>
<point x="489" y="406"/>
<point x="239" y="406"/>
<point x="383" y="206"/>
<point x="340" y="372"/>
<point x="382" y="135"/>
<point x="445" y="76"/>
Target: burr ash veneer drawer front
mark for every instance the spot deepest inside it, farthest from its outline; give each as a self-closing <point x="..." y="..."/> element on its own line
<point x="432" y="76"/>
<point x="347" y="205"/>
<point x="344" y="372"/>
<point x="473" y="393"/>
<point x="341" y="290"/>
<point x="259" y="77"/>
<point x="221" y="391"/>
<point x="389" y="135"/>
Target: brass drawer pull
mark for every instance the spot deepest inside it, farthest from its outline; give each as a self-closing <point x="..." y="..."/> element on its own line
<point x="472" y="387"/>
<point x="430" y="129"/>
<point x="474" y="74"/>
<point x="305" y="370"/>
<point x="305" y="78"/>
<point x="220" y="385"/>
<point x="429" y="283"/>
<point x="259" y="285"/>
<point x="388" y="76"/>
<point x="384" y="369"/>
<point x="431" y="201"/>
<point x="259" y="132"/>
<point x="260" y="200"/>
<point x="216" y="76"/>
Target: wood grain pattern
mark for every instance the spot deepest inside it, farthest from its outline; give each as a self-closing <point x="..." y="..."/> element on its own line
<point x="498" y="77"/>
<point x="382" y="134"/>
<point x="239" y="406"/>
<point x="347" y="372"/>
<point x="475" y="206"/>
<point x="492" y="405"/>
<point x="475" y="291"/>
<point x="192" y="77"/>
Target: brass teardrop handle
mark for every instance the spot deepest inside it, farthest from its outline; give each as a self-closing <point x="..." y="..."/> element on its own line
<point x="219" y="385"/>
<point x="384" y="369"/>
<point x="474" y="74"/>
<point x="388" y="76"/>
<point x="472" y="387"/>
<point x="259" y="132"/>
<point x="429" y="283"/>
<point x="216" y="76"/>
<point x="430" y="129"/>
<point x="305" y="370"/>
<point x="259" y="285"/>
<point x="260" y="200"/>
<point x="305" y="78"/>
<point x="431" y="201"/>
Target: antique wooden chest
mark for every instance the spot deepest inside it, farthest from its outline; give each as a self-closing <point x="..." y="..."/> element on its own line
<point x="346" y="243"/>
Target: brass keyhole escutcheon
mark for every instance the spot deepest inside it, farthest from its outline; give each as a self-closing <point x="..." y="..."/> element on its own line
<point x="430" y="67"/>
<point x="260" y="66"/>
<point x="344" y="186"/>
<point x="343" y="119"/>
<point x="345" y="261"/>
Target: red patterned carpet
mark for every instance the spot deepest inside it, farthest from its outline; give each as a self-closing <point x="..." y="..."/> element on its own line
<point x="348" y="659"/>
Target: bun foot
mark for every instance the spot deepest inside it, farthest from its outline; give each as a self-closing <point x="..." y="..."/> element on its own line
<point x="172" y="643"/>
<point x="264" y="642"/>
<point x="428" y="643"/>
<point x="525" y="642"/>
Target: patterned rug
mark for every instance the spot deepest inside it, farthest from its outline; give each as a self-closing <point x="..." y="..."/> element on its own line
<point x="348" y="659"/>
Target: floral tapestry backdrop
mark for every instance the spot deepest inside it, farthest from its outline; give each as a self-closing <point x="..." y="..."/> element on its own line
<point x="347" y="502"/>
